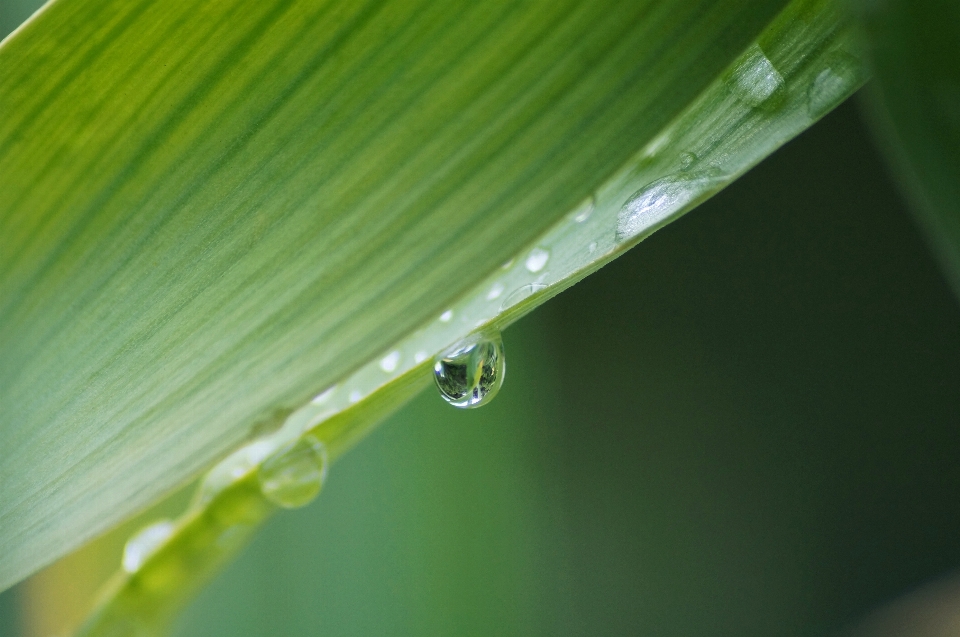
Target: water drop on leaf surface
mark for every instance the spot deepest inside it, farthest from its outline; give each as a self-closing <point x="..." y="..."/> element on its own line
<point x="656" y="202"/>
<point x="293" y="477"/>
<point x="470" y="374"/>
<point x="537" y="259"/>
<point x="756" y="80"/>
<point x="833" y="83"/>
<point x="144" y="543"/>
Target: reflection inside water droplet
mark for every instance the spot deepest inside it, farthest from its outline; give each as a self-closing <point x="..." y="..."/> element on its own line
<point x="471" y="373"/>
<point x="756" y="81"/>
<point x="657" y="201"/>
<point x="293" y="477"/>
<point x="145" y="543"/>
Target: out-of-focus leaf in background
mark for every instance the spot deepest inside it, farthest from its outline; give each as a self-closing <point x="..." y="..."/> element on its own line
<point x="915" y="47"/>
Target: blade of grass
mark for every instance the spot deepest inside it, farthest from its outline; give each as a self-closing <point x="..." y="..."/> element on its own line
<point x="210" y="212"/>
<point x="811" y="51"/>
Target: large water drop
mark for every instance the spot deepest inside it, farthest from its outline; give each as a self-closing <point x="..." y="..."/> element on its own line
<point x="145" y="543"/>
<point x="294" y="476"/>
<point x="470" y="374"/>
<point x="658" y="200"/>
<point x="756" y="80"/>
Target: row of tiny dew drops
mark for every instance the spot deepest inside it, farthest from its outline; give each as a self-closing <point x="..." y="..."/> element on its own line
<point x="470" y="373"/>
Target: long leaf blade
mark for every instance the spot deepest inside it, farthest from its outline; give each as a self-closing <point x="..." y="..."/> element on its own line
<point x="263" y="208"/>
<point x="803" y="64"/>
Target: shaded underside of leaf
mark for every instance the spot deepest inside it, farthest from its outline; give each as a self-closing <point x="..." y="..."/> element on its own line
<point x="915" y="47"/>
<point x="210" y="212"/>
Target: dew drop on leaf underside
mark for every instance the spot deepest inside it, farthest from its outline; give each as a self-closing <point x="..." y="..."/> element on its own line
<point x="471" y="373"/>
<point x="294" y="476"/>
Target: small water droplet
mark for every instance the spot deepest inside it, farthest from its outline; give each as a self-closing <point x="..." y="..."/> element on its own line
<point x="389" y="362"/>
<point x="537" y="258"/>
<point x="687" y="160"/>
<point x="655" y="202"/>
<point x="293" y="476"/>
<point x="145" y="543"/>
<point x="355" y="396"/>
<point x="495" y="291"/>
<point x="419" y="357"/>
<point x="832" y="84"/>
<point x="324" y="396"/>
<point x="756" y="81"/>
<point x="508" y="264"/>
<point x="446" y="316"/>
<point x="470" y="374"/>
<point x="584" y="214"/>
<point x="592" y="247"/>
<point x="520" y="294"/>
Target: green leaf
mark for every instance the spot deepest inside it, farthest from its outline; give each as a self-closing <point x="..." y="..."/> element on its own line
<point x="915" y="47"/>
<point x="209" y="215"/>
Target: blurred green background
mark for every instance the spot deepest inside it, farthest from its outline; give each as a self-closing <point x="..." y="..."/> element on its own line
<point x="748" y="425"/>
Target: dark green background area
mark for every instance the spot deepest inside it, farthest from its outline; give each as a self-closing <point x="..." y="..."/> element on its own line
<point x="14" y="12"/>
<point x="748" y="425"/>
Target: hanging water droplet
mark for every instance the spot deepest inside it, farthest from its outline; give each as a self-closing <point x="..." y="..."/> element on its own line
<point x="471" y="373"/>
<point x="145" y="543"/>
<point x="654" y="203"/>
<point x="756" y="81"/>
<point x="832" y="84"/>
<point x="293" y="476"/>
